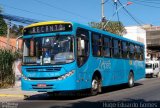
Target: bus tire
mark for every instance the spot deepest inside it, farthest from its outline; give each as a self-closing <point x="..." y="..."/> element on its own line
<point x="131" y="80"/>
<point x="158" y="75"/>
<point x="151" y="75"/>
<point x="96" y="86"/>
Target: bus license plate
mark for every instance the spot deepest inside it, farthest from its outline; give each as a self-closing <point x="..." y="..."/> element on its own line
<point x="41" y="85"/>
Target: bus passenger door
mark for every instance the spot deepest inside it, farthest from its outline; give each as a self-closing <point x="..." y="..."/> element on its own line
<point x="82" y="57"/>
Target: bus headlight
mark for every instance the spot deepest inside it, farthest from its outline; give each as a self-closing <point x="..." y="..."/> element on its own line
<point x="25" y="78"/>
<point x="66" y="75"/>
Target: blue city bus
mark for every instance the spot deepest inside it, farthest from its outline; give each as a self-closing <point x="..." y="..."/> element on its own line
<point x="67" y="56"/>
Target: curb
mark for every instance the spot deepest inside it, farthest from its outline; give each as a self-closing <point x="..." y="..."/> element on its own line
<point x="12" y="95"/>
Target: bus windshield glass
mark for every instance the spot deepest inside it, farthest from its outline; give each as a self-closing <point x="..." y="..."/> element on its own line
<point x="48" y="50"/>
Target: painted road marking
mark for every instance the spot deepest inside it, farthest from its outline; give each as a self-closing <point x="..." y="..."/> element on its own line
<point x="11" y="95"/>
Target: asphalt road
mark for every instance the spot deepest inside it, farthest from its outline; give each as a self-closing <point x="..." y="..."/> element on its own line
<point x="145" y="93"/>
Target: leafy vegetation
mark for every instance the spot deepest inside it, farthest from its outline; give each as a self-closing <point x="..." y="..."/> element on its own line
<point x="7" y="76"/>
<point x="3" y="26"/>
<point x="15" y="30"/>
<point x="111" y="26"/>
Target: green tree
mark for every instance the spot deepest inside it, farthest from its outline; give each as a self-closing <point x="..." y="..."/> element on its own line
<point x="7" y="76"/>
<point x="111" y="26"/>
<point x="3" y="25"/>
<point x="0" y="9"/>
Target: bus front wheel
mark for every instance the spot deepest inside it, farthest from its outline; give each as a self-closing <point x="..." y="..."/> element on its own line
<point x="96" y="85"/>
<point x="131" y="80"/>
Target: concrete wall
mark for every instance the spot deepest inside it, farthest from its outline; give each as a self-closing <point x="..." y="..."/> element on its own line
<point x="12" y="43"/>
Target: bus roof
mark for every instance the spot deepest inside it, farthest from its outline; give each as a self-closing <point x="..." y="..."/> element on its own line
<point x="107" y="33"/>
<point x="86" y="27"/>
<point x="47" y="23"/>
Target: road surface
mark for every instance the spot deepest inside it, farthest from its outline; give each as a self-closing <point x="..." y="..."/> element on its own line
<point x="145" y="93"/>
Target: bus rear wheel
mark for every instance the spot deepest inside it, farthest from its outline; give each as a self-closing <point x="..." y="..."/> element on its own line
<point x="96" y="86"/>
<point x="131" y="80"/>
<point x="152" y="75"/>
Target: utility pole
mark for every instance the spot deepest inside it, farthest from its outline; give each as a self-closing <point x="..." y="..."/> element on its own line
<point x="102" y="9"/>
<point x="103" y="18"/>
<point x="128" y="3"/>
<point x="115" y="1"/>
<point x="8" y="33"/>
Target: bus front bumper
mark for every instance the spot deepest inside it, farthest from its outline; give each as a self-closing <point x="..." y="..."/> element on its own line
<point x="67" y="84"/>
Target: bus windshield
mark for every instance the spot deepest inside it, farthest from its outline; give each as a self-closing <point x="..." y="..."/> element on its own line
<point x="48" y="50"/>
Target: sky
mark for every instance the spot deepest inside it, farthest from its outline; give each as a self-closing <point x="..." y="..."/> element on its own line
<point x="84" y="11"/>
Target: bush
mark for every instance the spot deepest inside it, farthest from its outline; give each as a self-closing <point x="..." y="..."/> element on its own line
<point x="7" y="77"/>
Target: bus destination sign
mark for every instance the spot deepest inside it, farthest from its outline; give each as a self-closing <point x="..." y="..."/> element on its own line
<point x="47" y="29"/>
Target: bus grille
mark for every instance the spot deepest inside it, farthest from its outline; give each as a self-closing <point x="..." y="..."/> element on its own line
<point x="43" y="78"/>
<point x="44" y="69"/>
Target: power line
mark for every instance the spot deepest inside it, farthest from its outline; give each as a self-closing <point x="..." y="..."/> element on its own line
<point x="138" y="3"/>
<point x="130" y="14"/>
<point x="40" y="14"/>
<point x="106" y="1"/>
<point x="115" y="4"/>
<point x="66" y="11"/>
<point x="155" y="1"/>
<point x="117" y="12"/>
<point x="148" y="2"/>
<point x="18" y="19"/>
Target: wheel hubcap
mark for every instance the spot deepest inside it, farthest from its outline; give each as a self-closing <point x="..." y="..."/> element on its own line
<point x="94" y="84"/>
<point x="131" y="81"/>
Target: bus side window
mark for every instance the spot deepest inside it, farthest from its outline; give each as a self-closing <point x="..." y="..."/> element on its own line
<point x="106" y="47"/>
<point x="141" y="53"/>
<point x="120" y="48"/>
<point x="82" y="46"/>
<point x="135" y="52"/>
<point x="128" y="50"/>
<point x="124" y="50"/>
<point x="96" y="44"/>
<point x="116" y="53"/>
<point x="131" y="52"/>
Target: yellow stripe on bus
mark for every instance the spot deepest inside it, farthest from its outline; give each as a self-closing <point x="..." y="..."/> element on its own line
<point x="47" y="23"/>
